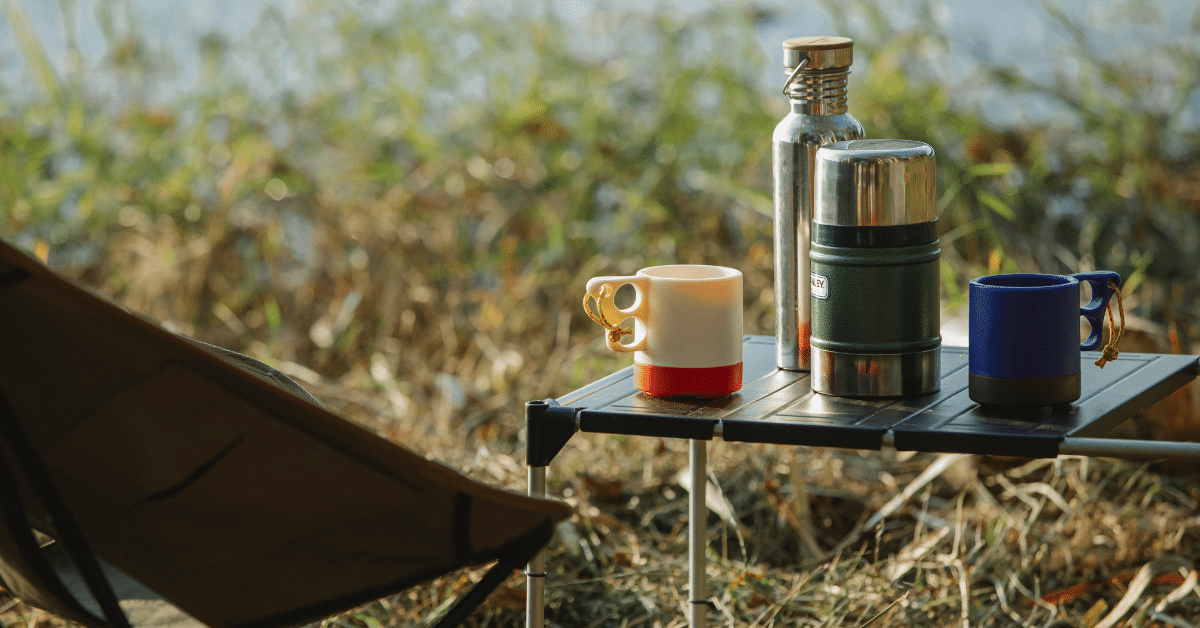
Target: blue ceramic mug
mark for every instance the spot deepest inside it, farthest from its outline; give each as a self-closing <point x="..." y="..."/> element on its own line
<point x="1024" y="336"/>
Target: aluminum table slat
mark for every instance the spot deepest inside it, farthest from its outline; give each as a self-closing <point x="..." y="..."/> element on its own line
<point x="777" y="406"/>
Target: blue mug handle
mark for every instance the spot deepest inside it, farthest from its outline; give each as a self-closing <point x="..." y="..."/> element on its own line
<point x="1094" y="310"/>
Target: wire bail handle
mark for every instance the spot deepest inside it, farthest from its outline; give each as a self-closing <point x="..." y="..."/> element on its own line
<point x="792" y="77"/>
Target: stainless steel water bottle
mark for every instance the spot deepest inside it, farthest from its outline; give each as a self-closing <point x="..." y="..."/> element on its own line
<point x="817" y="69"/>
<point x="876" y="273"/>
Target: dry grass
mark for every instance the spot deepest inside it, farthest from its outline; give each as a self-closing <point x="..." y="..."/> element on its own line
<point x="981" y="543"/>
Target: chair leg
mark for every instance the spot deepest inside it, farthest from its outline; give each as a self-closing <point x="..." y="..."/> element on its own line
<point x="16" y="526"/>
<point x="524" y="550"/>
<point x="71" y="536"/>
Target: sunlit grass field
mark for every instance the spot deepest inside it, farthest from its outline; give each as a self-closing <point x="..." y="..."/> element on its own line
<point x="398" y="205"/>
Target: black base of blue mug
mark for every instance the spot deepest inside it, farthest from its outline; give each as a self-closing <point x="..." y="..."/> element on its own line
<point x="1024" y="392"/>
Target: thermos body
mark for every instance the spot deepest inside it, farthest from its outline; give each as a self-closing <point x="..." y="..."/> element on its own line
<point x="876" y="324"/>
<point x="875" y="271"/>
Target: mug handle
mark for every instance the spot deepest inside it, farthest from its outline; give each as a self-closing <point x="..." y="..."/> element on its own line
<point x="607" y="305"/>
<point x="1094" y="310"/>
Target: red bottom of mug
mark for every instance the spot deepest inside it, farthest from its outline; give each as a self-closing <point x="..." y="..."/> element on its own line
<point x="672" y="381"/>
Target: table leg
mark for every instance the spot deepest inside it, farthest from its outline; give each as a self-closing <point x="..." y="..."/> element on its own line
<point x="535" y="576"/>
<point x="698" y="534"/>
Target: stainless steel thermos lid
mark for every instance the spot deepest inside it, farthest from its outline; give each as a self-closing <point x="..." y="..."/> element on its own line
<point x="822" y="53"/>
<point x="870" y="183"/>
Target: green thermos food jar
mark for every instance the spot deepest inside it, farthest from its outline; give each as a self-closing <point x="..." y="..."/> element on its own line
<point x="875" y="272"/>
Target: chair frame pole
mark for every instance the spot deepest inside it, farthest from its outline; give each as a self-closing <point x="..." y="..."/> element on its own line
<point x="30" y="462"/>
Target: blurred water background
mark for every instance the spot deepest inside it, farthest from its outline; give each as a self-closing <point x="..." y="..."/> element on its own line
<point x="1021" y="34"/>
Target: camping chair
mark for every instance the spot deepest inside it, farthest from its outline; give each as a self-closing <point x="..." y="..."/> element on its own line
<point x="136" y="464"/>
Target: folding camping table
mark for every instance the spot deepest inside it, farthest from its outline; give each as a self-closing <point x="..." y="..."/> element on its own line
<point x="779" y="407"/>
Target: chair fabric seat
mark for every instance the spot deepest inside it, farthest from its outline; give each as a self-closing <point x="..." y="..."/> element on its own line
<point x="210" y="481"/>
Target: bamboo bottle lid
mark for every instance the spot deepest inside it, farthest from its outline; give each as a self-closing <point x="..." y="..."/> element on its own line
<point x="823" y="53"/>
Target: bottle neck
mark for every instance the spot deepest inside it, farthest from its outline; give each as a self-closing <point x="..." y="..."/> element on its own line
<point x="819" y="93"/>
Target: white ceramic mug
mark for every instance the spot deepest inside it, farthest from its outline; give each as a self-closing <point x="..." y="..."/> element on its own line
<point x="687" y="336"/>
